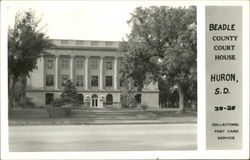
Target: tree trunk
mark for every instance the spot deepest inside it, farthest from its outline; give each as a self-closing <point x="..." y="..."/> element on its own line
<point x="23" y="87"/>
<point x="12" y="82"/>
<point x="181" y="99"/>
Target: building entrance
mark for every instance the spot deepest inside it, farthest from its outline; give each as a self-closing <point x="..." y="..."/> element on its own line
<point x="94" y="100"/>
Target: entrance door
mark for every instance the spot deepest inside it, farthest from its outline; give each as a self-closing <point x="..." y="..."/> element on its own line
<point x="49" y="97"/>
<point x="94" y="101"/>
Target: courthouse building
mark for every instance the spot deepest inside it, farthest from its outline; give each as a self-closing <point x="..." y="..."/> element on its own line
<point x="93" y="66"/>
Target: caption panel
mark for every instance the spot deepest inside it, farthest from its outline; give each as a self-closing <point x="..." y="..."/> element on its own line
<point x="224" y="77"/>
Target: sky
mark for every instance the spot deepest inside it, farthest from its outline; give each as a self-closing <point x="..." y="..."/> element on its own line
<point x="81" y="20"/>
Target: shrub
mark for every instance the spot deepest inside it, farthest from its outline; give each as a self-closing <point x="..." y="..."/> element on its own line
<point x="144" y="107"/>
<point x="64" y="111"/>
<point x="67" y="109"/>
<point x="128" y="101"/>
<point x="58" y="102"/>
<point x="26" y="103"/>
<point x="69" y="93"/>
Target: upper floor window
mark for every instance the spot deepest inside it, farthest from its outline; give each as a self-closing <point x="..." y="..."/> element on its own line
<point x="109" y="81"/>
<point x="64" y="42"/>
<point x="108" y="43"/>
<point x="79" y="63"/>
<point x="64" y="79"/>
<point x="64" y="63"/>
<point x="109" y="63"/>
<point x="49" y="62"/>
<point x="94" y="81"/>
<point x="49" y="80"/>
<point x="94" y="43"/>
<point x="79" y="80"/>
<point x="79" y="42"/>
<point x="94" y="63"/>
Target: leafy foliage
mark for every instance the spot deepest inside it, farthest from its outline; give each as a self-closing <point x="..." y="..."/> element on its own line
<point x="69" y="93"/>
<point x="168" y="95"/>
<point x="26" y="44"/>
<point x="128" y="95"/>
<point x="162" y="44"/>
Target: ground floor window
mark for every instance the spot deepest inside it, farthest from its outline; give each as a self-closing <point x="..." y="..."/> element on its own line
<point x="109" y="99"/>
<point x="80" y="98"/>
<point x="49" y="97"/>
<point x="138" y="98"/>
<point x="94" y="81"/>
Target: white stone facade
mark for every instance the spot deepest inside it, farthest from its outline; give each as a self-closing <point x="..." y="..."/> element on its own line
<point x="93" y="66"/>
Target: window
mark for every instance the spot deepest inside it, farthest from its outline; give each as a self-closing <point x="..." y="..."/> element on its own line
<point x="79" y="63"/>
<point x="49" y="62"/>
<point x="79" y="42"/>
<point x="94" y="81"/>
<point x="94" y="43"/>
<point x="108" y="43"/>
<point x="49" y="97"/>
<point x="80" y="98"/>
<point x="79" y="80"/>
<point x="109" y="63"/>
<point x="109" y="81"/>
<point x="138" y="98"/>
<point x="109" y="99"/>
<point x="64" y="42"/>
<point x="64" y="79"/>
<point x="49" y="80"/>
<point x="64" y="63"/>
<point x="94" y="63"/>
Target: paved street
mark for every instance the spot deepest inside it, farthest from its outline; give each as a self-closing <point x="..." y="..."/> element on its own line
<point x="136" y="137"/>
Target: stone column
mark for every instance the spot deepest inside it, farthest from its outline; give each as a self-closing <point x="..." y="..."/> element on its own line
<point x="72" y="68"/>
<point x="101" y="73"/>
<point x="56" y="72"/>
<point x="115" y="73"/>
<point x="86" y="72"/>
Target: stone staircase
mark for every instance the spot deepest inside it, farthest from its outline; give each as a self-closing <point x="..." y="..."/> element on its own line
<point x="114" y="115"/>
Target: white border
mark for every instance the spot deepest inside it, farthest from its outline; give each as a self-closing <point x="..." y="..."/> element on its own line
<point x="197" y="154"/>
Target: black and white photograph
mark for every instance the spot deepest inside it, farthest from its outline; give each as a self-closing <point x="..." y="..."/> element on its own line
<point x="117" y="77"/>
<point x="102" y="78"/>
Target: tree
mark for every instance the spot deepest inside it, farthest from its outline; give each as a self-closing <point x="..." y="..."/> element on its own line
<point x="167" y="96"/>
<point x="137" y="64"/>
<point x="69" y="93"/>
<point x="26" y="44"/>
<point x="163" y="43"/>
